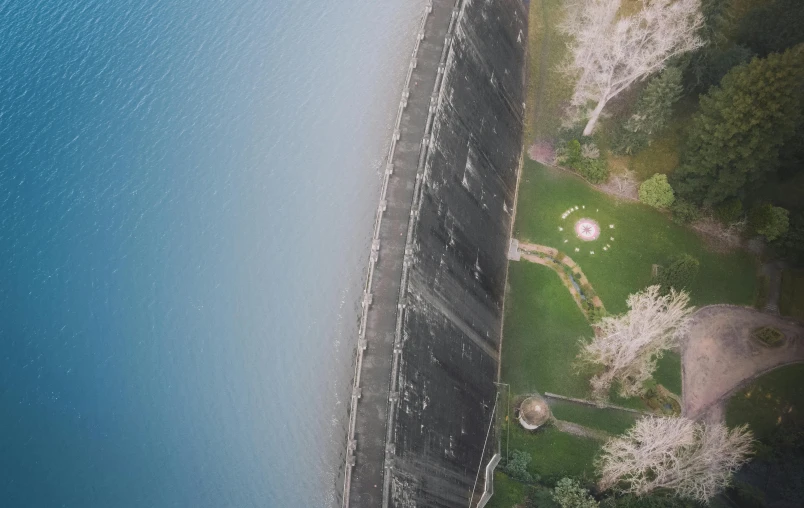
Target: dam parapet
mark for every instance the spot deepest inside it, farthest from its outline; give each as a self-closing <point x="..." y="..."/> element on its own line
<point x="427" y="358"/>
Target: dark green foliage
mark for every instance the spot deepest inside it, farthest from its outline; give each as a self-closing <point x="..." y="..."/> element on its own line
<point x="517" y="467"/>
<point x="684" y="212"/>
<point x="596" y="314"/>
<point x="729" y="211"/>
<point x="656" y="192"/>
<point x="718" y="63"/>
<point x="747" y="495"/>
<point x="791" y="244"/>
<point x="651" y="113"/>
<point x="569" y="493"/>
<point x="773" y="28"/>
<point x="769" y="221"/>
<point x="735" y="138"/>
<point x="717" y="20"/>
<point x="593" y="169"/>
<point x="679" y="274"/>
<point x="540" y="497"/>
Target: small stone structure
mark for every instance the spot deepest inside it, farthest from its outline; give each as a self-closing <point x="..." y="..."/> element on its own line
<point x="533" y="412"/>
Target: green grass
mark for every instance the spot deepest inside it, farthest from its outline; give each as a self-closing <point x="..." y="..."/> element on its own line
<point x="507" y="492"/>
<point x="555" y="454"/>
<point x="642" y="236"/>
<point x="542" y="328"/>
<point x="772" y="400"/>
<point x="612" y="421"/>
<point x="668" y="372"/>
<point x="548" y="89"/>
<point x="791" y="299"/>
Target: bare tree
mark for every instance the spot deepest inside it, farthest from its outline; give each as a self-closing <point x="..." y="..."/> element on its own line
<point x="628" y="346"/>
<point x="695" y="460"/>
<point x="610" y="53"/>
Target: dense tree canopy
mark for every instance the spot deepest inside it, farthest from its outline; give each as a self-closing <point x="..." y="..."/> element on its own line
<point x="651" y="113"/>
<point x="773" y="28"/>
<point x="735" y="138"/>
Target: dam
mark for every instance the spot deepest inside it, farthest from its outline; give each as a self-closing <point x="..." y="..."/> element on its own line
<point x="423" y="397"/>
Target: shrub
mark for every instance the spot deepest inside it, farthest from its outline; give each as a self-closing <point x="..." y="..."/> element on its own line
<point x="768" y="335"/>
<point x="679" y="274"/>
<point x="594" y="170"/>
<point x="656" y="192"/>
<point x="596" y="314"/>
<point x="572" y="155"/>
<point x="791" y="244"/>
<point x="517" y="467"/>
<point x="769" y="221"/>
<point x="684" y="212"/>
<point x="729" y="211"/>
<point x="569" y="494"/>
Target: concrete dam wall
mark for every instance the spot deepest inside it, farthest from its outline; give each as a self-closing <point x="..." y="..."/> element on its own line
<point x="427" y="356"/>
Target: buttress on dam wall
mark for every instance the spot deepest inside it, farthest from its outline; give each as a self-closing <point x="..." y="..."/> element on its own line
<point x="428" y="352"/>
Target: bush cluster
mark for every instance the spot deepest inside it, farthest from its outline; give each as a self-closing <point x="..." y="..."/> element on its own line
<point x="585" y="160"/>
<point x="517" y="467"/>
<point x="656" y="192"/>
<point x="679" y="274"/>
<point x="684" y="212"/>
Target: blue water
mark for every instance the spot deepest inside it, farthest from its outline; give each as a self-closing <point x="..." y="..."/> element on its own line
<point x="187" y="191"/>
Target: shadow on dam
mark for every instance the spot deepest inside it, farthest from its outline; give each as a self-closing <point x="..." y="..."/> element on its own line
<point x="428" y="351"/>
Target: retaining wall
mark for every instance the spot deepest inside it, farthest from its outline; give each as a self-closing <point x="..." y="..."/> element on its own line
<point x="430" y="331"/>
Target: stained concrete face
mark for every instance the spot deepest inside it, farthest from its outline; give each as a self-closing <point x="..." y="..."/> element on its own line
<point x="455" y="287"/>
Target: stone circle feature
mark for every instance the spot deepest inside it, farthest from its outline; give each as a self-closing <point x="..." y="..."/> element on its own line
<point x="587" y="229"/>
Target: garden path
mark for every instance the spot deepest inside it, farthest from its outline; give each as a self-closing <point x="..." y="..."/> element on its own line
<point x="549" y="257"/>
<point x="718" y="355"/>
<point x="581" y="431"/>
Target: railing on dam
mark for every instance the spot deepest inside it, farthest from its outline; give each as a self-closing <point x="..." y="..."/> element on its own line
<point x="373" y="258"/>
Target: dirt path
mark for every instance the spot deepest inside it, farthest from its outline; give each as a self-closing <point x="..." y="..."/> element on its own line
<point x="719" y="356"/>
<point x="581" y="431"/>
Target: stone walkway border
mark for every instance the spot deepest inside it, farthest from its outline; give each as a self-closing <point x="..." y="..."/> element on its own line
<point x="351" y="443"/>
<point x="553" y="258"/>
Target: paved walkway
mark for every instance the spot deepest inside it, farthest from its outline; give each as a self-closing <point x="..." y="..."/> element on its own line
<point x="719" y="356"/>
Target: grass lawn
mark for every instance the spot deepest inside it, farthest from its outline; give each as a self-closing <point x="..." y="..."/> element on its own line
<point x="791" y="299"/>
<point x="774" y="399"/>
<point x="548" y="89"/>
<point x="609" y="420"/>
<point x="507" y="492"/>
<point x="668" y="372"/>
<point x="555" y="454"/>
<point x="542" y="328"/>
<point x="642" y="237"/>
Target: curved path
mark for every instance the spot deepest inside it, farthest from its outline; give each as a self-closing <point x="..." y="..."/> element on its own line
<point x="719" y="356"/>
<point x="549" y="257"/>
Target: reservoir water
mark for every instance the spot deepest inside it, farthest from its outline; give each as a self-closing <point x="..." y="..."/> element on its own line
<point x="187" y="192"/>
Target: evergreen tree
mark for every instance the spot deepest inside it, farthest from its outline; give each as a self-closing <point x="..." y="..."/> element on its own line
<point x="773" y="28"/>
<point x="736" y="136"/>
<point x="651" y="114"/>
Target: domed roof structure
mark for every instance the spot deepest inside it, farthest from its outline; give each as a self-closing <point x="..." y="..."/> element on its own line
<point x="533" y="412"/>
